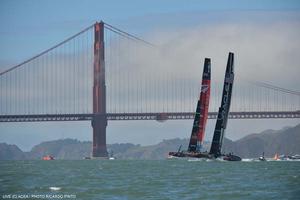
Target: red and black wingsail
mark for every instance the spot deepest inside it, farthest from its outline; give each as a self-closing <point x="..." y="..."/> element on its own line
<point x="201" y="114"/>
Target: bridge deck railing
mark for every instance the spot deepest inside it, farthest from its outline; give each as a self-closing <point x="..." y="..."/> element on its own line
<point x="147" y="116"/>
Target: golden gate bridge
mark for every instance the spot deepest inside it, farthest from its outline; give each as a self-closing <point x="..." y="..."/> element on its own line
<point x="102" y="73"/>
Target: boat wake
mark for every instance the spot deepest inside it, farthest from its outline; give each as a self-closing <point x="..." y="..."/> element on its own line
<point x="249" y="160"/>
<point x="269" y="160"/>
<point x="55" y="188"/>
<point x="243" y="160"/>
<point x="206" y="160"/>
<point x="199" y="160"/>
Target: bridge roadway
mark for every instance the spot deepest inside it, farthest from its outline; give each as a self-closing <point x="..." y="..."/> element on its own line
<point x="146" y="116"/>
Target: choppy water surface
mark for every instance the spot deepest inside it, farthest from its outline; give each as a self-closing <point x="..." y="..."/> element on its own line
<point x="166" y="179"/>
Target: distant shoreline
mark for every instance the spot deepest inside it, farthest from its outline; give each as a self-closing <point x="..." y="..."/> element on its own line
<point x="285" y="141"/>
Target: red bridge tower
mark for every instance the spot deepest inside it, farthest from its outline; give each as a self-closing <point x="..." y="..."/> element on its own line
<point x="99" y="121"/>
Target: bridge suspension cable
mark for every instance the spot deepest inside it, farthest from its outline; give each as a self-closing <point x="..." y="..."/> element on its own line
<point x="139" y="80"/>
<point x="125" y="34"/>
<point x="54" y="81"/>
<point x="269" y="86"/>
<point x="46" y="51"/>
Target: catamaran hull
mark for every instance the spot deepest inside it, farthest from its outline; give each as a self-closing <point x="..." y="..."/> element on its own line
<point x="231" y="157"/>
<point x="228" y="157"/>
<point x="189" y="155"/>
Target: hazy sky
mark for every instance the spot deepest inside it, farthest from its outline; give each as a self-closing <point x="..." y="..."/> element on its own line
<point x="264" y="33"/>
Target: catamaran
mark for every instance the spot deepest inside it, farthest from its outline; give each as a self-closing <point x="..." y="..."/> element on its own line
<point x="223" y="113"/>
<point x="201" y="115"/>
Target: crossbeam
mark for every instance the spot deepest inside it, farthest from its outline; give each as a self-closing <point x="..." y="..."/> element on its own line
<point x="147" y="116"/>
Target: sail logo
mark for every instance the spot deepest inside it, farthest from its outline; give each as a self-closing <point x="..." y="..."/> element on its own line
<point x="206" y="74"/>
<point x="229" y="79"/>
<point x="204" y="88"/>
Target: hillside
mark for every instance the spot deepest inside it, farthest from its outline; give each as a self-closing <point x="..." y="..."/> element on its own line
<point x="61" y="149"/>
<point x="284" y="141"/>
<point x="10" y="152"/>
<point x="71" y="149"/>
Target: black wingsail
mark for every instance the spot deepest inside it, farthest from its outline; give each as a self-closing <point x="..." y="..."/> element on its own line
<point x="224" y="109"/>
<point x="193" y="140"/>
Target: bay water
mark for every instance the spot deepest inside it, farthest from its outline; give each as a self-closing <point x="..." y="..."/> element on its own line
<point x="149" y="179"/>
